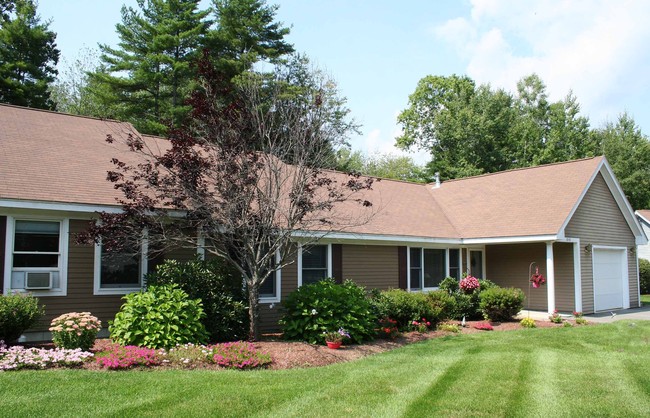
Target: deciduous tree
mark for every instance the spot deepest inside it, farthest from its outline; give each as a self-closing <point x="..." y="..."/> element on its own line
<point x="244" y="175"/>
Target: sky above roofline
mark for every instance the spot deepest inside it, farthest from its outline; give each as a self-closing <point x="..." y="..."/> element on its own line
<point x="378" y="50"/>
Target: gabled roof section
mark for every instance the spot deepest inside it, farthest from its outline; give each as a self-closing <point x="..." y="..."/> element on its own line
<point x="605" y="170"/>
<point x="534" y="201"/>
<point x="55" y="157"/>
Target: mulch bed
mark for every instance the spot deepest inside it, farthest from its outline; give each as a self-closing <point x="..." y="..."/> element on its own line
<point x="289" y="355"/>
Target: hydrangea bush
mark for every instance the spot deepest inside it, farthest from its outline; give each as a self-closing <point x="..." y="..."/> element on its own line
<point x="75" y="330"/>
<point x="19" y="357"/>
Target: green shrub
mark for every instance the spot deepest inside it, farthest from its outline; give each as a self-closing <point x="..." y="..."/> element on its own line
<point x="160" y="317"/>
<point x="18" y="312"/>
<point x="406" y="307"/>
<point x="443" y="303"/>
<point x="218" y="285"/>
<point x="324" y="306"/>
<point x="465" y="304"/>
<point x="450" y="284"/>
<point x="528" y="323"/>
<point x="501" y="304"/>
<point x="75" y="330"/>
<point x="644" y="276"/>
<point x="449" y="327"/>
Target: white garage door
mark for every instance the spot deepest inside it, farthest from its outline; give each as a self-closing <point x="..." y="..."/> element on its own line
<point x="608" y="278"/>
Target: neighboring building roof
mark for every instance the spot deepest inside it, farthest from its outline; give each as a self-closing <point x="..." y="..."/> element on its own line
<point x="52" y="157"/>
<point x="644" y="215"/>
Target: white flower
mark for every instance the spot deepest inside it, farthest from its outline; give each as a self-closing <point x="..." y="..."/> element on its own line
<point x="313" y="312"/>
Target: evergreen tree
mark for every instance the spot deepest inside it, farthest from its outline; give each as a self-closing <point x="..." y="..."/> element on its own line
<point x="28" y="56"/>
<point x="245" y="33"/>
<point x="149" y="76"/>
<point x="146" y="79"/>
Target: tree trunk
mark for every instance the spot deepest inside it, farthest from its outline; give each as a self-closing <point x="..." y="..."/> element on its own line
<point x="253" y="312"/>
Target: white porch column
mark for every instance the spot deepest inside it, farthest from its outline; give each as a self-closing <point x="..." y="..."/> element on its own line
<point x="577" y="276"/>
<point x="550" y="277"/>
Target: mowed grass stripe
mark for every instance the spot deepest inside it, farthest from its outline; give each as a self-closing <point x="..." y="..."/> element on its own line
<point x="600" y="370"/>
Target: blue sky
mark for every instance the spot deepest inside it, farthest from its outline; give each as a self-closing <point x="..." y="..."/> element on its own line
<point x="378" y="50"/>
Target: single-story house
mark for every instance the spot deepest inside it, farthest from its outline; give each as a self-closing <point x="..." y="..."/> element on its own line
<point x="571" y="219"/>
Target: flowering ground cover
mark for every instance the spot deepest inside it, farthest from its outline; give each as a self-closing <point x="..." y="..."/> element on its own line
<point x="596" y="370"/>
<point x="18" y="357"/>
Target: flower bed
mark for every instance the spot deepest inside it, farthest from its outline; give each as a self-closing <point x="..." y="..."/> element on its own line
<point x="19" y="357"/>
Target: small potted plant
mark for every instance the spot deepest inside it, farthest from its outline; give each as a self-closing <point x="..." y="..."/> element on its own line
<point x="334" y="339"/>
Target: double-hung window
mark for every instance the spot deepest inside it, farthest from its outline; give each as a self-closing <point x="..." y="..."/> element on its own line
<point x="270" y="289"/>
<point x="119" y="272"/>
<point x="37" y="261"/>
<point x="429" y="266"/>
<point x="315" y="264"/>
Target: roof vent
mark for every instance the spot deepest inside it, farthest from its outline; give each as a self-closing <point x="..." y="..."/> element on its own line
<point x="436" y="177"/>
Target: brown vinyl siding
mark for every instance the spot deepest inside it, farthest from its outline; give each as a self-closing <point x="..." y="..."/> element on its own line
<point x="80" y="296"/>
<point x="181" y="254"/>
<point x="507" y="266"/>
<point x="372" y="266"/>
<point x="564" y="277"/>
<point x="3" y="235"/>
<point x="337" y="263"/>
<point x="599" y="221"/>
<point x="269" y="317"/>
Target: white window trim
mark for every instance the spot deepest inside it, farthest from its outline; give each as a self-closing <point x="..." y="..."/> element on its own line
<point x="408" y="266"/>
<point x="329" y="262"/>
<point x="144" y="264"/>
<point x="64" y="233"/>
<point x="278" y="284"/>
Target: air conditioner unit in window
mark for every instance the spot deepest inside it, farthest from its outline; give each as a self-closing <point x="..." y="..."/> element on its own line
<point x="38" y="280"/>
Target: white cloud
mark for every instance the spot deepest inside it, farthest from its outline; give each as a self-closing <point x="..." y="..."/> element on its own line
<point x="377" y="142"/>
<point x="598" y="49"/>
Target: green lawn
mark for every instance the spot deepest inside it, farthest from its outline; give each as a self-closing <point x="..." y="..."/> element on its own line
<point x="600" y="370"/>
<point x="645" y="299"/>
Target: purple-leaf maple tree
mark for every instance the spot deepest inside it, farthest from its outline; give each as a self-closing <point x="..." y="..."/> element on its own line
<point x="241" y="180"/>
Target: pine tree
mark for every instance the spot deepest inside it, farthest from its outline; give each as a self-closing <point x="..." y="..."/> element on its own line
<point x="28" y="56"/>
<point x="149" y="76"/>
<point x="146" y="79"/>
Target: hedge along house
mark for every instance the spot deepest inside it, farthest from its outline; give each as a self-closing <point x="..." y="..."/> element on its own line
<point x="571" y="219"/>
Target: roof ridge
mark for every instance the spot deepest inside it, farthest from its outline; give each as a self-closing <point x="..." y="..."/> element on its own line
<point x="56" y="112"/>
<point x="332" y="170"/>
<point x="519" y="169"/>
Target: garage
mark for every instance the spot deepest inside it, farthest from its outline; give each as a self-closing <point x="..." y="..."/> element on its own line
<point x="610" y="279"/>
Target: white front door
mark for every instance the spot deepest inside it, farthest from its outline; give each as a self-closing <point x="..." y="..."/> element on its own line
<point x="610" y="277"/>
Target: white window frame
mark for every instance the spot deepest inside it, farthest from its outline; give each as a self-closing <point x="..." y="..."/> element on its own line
<point x="278" y="284"/>
<point x="408" y="264"/>
<point x="329" y="261"/>
<point x="144" y="265"/>
<point x="64" y="232"/>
